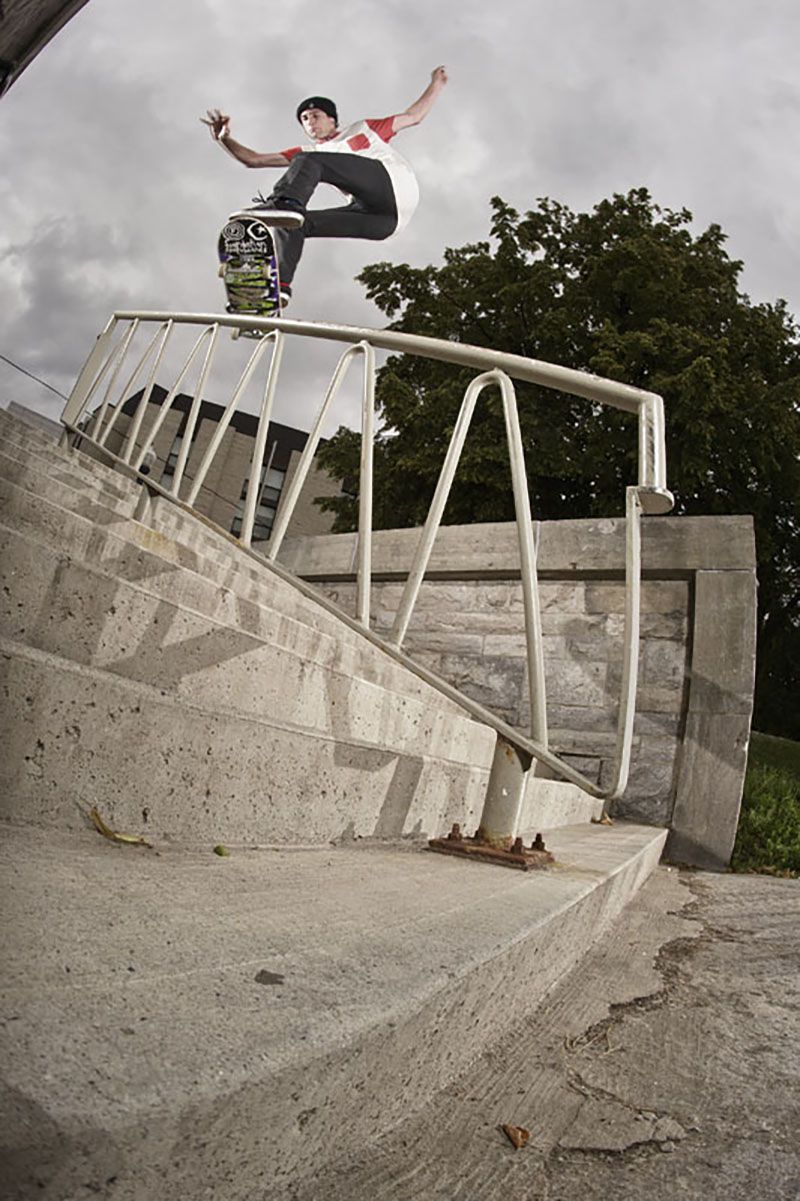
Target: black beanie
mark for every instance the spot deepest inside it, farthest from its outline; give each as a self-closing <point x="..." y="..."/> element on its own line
<point x="321" y="102"/>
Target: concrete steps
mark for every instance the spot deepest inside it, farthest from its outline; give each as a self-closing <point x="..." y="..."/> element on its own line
<point x="179" y="607"/>
<point x="324" y="714"/>
<point x="224" y="1028"/>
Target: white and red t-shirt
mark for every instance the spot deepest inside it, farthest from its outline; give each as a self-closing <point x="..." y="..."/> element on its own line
<point x="371" y="138"/>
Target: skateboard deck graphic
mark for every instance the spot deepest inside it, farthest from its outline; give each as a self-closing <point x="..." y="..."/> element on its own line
<point x="249" y="267"/>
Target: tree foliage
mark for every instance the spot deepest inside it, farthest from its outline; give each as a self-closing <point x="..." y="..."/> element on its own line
<point x="629" y="292"/>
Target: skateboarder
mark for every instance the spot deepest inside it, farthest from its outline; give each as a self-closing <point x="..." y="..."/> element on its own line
<point x="359" y="160"/>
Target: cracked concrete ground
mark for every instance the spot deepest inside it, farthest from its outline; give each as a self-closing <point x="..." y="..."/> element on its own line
<point x="665" y="1066"/>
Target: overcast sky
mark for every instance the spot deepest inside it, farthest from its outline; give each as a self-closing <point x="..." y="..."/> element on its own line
<point x="112" y="193"/>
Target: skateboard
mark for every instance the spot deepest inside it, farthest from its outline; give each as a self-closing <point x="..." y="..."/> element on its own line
<point x="249" y="268"/>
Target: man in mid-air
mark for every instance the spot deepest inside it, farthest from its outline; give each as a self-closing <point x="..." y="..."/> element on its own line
<point x="358" y="160"/>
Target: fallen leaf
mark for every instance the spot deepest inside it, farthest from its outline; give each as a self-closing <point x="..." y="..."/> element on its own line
<point x="107" y="832"/>
<point x="220" y="850"/>
<point x="517" y="1135"/>
<point x="265" y="977"/>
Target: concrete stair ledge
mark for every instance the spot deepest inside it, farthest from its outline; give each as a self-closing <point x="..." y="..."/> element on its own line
<point x="41" y="477"/>
<point x="93" y="619"/>
<point x="204" y="765"/>
<point x="17" y="434"/>
<point x="86" y="475"/>
<point x="547" y="804"/>
<point x="92" y="616"/>
<point x="154" y="763"/>
<point x="184" y="542"/>
<point x="102" y="622"/>
<point x="162" y="568"/>
<point x="91" y="532"/>
<point x="38" y="473"/>
<point x="215" y="1027"/>
<point x="64" y="458"/>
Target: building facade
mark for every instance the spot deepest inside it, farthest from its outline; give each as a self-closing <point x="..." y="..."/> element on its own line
<point x="222" y="497"/>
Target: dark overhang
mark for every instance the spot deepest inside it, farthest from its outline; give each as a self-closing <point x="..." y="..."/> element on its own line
<point x="26" y="26"/>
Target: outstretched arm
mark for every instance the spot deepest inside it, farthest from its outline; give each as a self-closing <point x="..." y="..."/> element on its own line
<point x="417" y="111"/>
<point x="219" y="127"/>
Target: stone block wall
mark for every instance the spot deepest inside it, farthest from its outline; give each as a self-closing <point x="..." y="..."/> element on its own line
<point x="696" y="653"/>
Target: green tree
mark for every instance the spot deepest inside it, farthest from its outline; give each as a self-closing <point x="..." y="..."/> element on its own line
<point x="629" y="292"/>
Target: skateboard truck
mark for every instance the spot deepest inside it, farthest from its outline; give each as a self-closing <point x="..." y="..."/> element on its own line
<point x="516" y="854"/>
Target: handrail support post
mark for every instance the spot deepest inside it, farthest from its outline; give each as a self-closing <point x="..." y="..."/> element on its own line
<point x="505" y="794"/>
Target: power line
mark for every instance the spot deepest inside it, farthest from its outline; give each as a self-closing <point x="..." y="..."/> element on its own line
<point x="44" y="383"/>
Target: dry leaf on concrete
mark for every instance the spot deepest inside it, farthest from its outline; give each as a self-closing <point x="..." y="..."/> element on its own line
<point x="107" y="832"/>
<point x="517" y="1135"/>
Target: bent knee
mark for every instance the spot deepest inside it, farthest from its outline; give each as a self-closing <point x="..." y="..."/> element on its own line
<point x="383" y="228"/>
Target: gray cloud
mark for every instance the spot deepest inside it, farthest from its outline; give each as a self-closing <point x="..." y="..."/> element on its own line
<point x="113" y="194"/>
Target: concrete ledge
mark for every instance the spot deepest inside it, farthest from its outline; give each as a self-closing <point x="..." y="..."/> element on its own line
<point x="196" y="1026"/>
<point x="21" y="463"/>
<point x="490" y="548"/>
<point x="18" y="435"/>
<point x="339" y="686"/>
<point x="77" y="736"/>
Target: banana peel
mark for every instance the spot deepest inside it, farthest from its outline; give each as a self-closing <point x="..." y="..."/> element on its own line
<point x="112" y="835"/>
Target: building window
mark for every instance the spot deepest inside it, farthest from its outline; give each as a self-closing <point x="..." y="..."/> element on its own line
<point x="172" y="457"/>
<point x="272" y="480"/>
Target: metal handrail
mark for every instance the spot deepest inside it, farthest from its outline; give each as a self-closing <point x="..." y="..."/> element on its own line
<point x="649" y="495"/>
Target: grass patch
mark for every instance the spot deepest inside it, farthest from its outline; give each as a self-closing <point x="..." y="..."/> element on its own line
<point x="768" y="838"/>
<point x="769" y="751"/>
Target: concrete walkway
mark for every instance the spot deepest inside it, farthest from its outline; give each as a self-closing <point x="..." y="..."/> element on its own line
<point x="178" y="1023"/>
<point x="666" y="1066"/>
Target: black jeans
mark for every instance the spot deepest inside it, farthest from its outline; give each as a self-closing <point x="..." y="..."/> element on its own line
<point x="371" y="214"/>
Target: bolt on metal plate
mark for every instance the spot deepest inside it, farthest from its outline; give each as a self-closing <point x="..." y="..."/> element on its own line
<point x="525" y="859"/>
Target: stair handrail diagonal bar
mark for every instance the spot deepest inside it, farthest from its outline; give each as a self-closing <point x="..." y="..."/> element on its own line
<point x="364" y="569"/>
<point x="194" y="412"/>
<point x="129" y="384"/>
<point x="225" y="419"/>
<point x="254" y="483"/>
<point x="524" y="523"/>
<point x="527" y="564"/>
<point x="649" y="495"/>
<point x="91" y="375"/>
<point x="118" y="355"/>
<point x="165" y="408"/>
<point x="144" y="399"/>
<point x="298" y="480"/>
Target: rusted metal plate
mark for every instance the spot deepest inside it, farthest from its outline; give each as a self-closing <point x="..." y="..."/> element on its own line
<point x="525" y="859"/>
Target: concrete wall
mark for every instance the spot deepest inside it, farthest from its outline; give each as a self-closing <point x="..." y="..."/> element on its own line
<point x="697" y="650"/>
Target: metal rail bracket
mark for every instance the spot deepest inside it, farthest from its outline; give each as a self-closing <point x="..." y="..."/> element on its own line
<point x="525" y="859"/>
